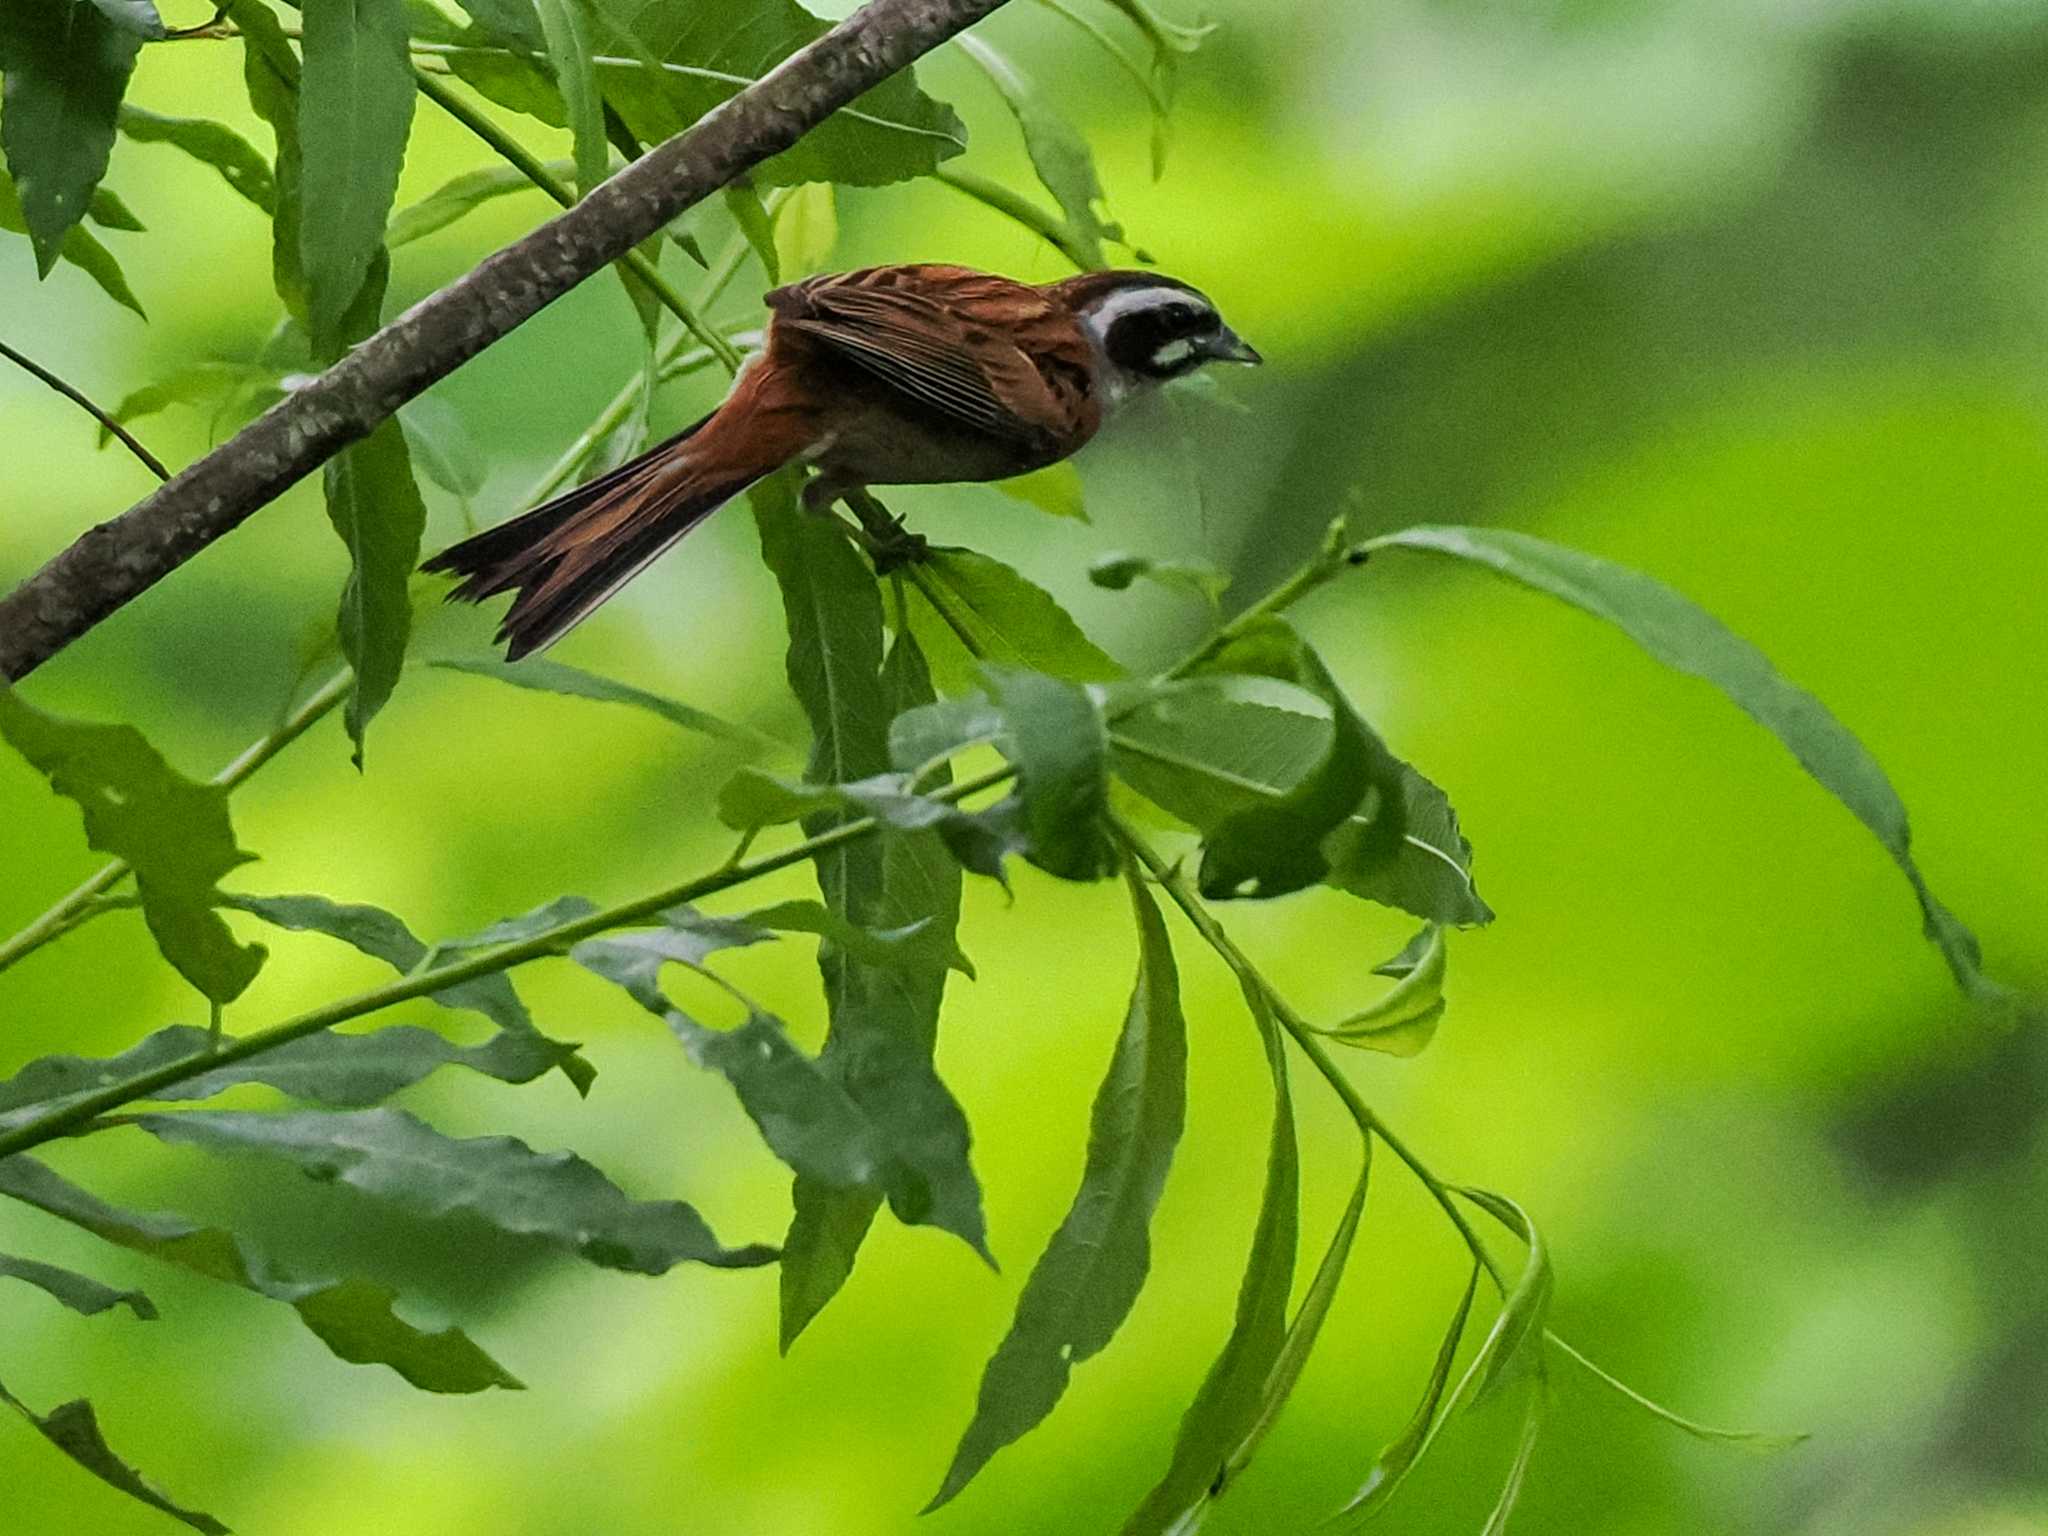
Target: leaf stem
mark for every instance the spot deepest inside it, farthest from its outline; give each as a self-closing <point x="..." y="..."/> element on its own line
<point x="1336" y="556"/>
<point x="79" y="398"/>
<point x="484" y="962"/>
<point x="528" y="165"/>
<point x="1014" y="205"/>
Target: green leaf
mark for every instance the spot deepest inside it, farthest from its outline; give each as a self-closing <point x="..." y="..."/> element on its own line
<point x="80" y="247"/>
<point x="512" y="82"/>
<point x="241" y="167"/>
<point x="1518" y="1470"/>
<point x="1059" y="154"/>
<point x="1155" y="88"/>
<point x="270" y="73"/>
<point x="138" y="16"/>
<point x="545" y="676"/>
<point x="1088" y="1279"/>
<point x="509" y="21"/>
<point x="711" y="49"/>
<point x="1055" y="490"/>
<point x="441" y="445"/>
<point x="174" y="832"/>
<point x="806" y="230"/>
<point x="565" y="31"/>
<point x="554" y="1197"/>
<point x="1276" y="847"/>
<point x="1057" y="739"/>
<point x="807" y="1119"/>
<point x="375" y="506"/>
<point x="966" y="608"/>
<point x="223" y="387"/>
<point x="382" y="936"/>
<point x="355" y="111"/>
<point x="353" y="1318"/>
<point x="1689" y="640"/>
<point x="1516" y="1339"/>
<point x="80" y="1293"/>
<point x="75" y="1430"/>
<point x="66" y="65"/>
<point x="1393" y="1464"/>
<point x="1118" y="571"/>
<point x="1404" y="1021"/>
<point x="463" y="195"/>
<point x="108" y="211"/>
<point x="1751" y="1439"/>
<point x="1428" y="874"/>
<point x="751" y="215"/>
<point x="934" y="732"/>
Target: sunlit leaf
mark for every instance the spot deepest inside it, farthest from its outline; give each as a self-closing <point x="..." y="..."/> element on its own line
<point x="214" y="144"/>
<point x="1055" y="490"/>
<point x="554" y="1197"/>
<point x="1232" y="1402"/>
<point x="80" y="1293"/>
<point x="1084" y="1285"/>
<point x="806" y="230"/>
<point x="356" y="97"/>
<point x="967" y="608"/>
<point x="353" y="1318"/>
<point x="173" y="831"/>
<point x="66" y="64"/>
<point x="1515" y="1342"/>
<point x="751" y="215"/>
<point x="543" y="675"/>
<point x="74" y="1429"/>
<point x="1404" y="1020"/>
<point x="1687" y="639"/>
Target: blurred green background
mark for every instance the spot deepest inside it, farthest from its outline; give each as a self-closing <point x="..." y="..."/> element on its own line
<point x="1750" y="294"/>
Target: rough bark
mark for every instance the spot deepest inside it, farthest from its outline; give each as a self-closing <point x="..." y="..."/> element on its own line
<point x="120" y="559"/>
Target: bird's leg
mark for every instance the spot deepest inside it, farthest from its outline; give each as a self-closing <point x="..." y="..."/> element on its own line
<point x="891" y="545"/>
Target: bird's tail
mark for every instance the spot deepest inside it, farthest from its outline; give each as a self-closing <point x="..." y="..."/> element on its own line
<point x="568" y="555"/>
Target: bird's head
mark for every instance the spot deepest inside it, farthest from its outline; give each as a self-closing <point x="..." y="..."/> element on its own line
<point x="1148" y="328"/>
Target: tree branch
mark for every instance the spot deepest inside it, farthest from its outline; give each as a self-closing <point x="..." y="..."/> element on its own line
<point x="121" y="559"/>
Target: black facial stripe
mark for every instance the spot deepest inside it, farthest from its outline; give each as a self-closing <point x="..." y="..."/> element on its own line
<point x="1136" y="340"/>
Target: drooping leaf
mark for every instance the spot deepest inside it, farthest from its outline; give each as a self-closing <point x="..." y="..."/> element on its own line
<point x="512" y="81"/>
<point x="543" y="675"/>
<point x="806" y="230"/>
<point x="217" y="386"/>
<point x="1518" y="1469"/>
<point x="1751" y="1439"/>
<point x="1149" y="81"/>
<point x="174" y="832"/>
<point x="1515" y="1342"/>
<point x="442" y="447"/>
<point x="355" y="111"/>
<point x="375" y="506"/>
<point x="1393" y="1464"/>
<point x="1689" y="640"/>
<point x="353" y="1318"/>
<point x="751" y="216"/>
<point x="711" y="49"/>
<point x="80" y="1293"/>
<point x="66" y="64"/>
<point x="1059" y="154"/>
<point x="108" y="211"/>
<point x="565" y="30"/>
<point x="460" y="196"/>
<point x="1055" y="490"/>
<point x="1231" y="1404"/>
<point x="555" y="1197"/>
<point x="79" y="247"/>
<point x="75" y="1430"/>
<point x="1088" y="1279"/>
<point x="241" y="167"/>
<point x="966" y="608"/>
<point x="1404" y="1021"/>
<point x="1117" y="572"/>
<point x="1061" y="748"/>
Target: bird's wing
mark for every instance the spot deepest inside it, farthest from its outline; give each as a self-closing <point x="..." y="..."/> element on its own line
<point x="965" y="343"/>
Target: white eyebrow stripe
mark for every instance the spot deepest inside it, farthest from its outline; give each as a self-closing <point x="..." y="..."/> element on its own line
<point x="1125" y="301"/>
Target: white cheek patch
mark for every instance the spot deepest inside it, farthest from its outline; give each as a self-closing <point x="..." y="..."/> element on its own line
<point x="1173" y="354"/>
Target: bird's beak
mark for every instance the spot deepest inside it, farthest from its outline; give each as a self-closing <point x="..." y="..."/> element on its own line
<point x="1229" y="347"/>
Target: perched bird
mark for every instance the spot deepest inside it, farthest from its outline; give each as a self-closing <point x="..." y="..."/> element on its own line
<point x="898" y="375"/>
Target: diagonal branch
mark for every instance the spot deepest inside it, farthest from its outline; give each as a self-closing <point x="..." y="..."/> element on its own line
<point x="123" y="558"/>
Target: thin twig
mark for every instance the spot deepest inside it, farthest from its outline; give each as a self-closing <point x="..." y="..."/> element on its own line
<point x="78" y="398"/>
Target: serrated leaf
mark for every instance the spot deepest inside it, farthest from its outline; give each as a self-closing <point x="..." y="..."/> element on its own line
<point x="1117" y="573"/>
<point x="240" y="165"/>
<point x="1404" y="1021"/>
<point x="555" y="1197"/>
<point x="81" y="1293"/>
<point x="1688" y="639"/>
<point x="1088" y="1279"/>
<point x="967" y="608"/>
<point x="66" y="64"/>
<point x="375" y="507"/>
<point x="1231" y="1402"/>
<point x="74" y="1429"/>
<point x="174" y="832"/>
<point x="1393" y="1464"/>
<point x="355" y="112"/>
<point x="353" y="1318"/>
<point x="543" y="675"/>
<point x="460" y="196"/>
<point x="1056" y="736"/>
<point x="806" y="230"/>
<point x="80" y="248"/>
<point x="270" y="73"/>
<point x="1059" y="154"/>
<point x="714" y="48"/>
